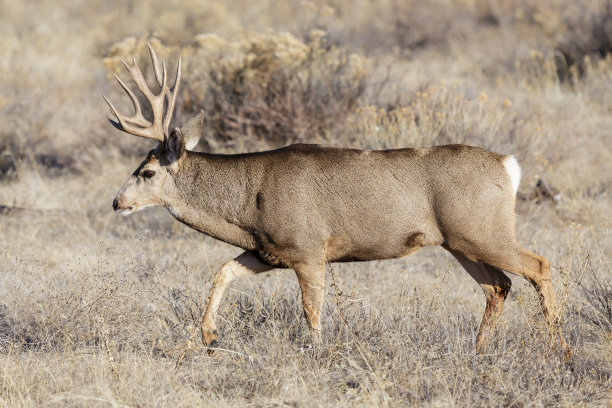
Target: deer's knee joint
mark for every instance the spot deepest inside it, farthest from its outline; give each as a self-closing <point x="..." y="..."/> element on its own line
<point x="544" y="272"/>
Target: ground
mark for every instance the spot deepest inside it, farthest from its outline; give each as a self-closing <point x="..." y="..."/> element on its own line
<point x="102" y="310"/>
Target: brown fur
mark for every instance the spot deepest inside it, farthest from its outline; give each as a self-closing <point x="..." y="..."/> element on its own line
<point x="304" y="205"/>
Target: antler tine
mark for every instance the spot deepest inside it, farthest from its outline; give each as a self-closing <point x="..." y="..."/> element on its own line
<point x="172" y="95"/>
<point x="123" y="124"/>
<point x="155" y="62"/>
<point x="138" y="79"/>
<point x="138" y="119"/>
<point x="164" y="84"/>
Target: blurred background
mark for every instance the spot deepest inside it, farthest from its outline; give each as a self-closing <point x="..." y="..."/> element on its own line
<point x="105" y="309"/>
<point x="520" y="77"/>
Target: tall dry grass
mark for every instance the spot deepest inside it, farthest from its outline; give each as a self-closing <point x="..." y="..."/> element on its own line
<point x="97" y="310"/>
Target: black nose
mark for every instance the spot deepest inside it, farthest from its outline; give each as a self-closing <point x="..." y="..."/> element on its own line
<point x="115" y="204"/>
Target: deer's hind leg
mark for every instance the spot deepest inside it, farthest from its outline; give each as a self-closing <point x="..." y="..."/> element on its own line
<point x="495" y="285"/>
<point x="536" y="270"/>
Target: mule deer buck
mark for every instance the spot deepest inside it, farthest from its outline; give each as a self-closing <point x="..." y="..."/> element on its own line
<point x="303" y="206"/>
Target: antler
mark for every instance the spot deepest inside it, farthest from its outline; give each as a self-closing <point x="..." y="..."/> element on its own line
<point x="138" y="125"/>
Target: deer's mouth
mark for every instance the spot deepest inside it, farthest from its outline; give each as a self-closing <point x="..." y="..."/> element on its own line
<point x="120" y="209"/>
<point x="125" y="211"/>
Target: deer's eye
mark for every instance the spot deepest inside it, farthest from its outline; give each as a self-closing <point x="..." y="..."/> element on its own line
<point x="148" y="174"/>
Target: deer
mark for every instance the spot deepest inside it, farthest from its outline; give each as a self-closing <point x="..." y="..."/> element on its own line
<point x="304" y="206"/>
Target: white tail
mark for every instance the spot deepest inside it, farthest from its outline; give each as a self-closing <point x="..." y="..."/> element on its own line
<point x="514" y="172"/>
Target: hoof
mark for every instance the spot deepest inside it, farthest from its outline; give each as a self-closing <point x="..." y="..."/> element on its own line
<point x="211" y="350"/>
<point x="306" y="348"/>
<point x="313" y="350"/>
<point x="209" y="336"/>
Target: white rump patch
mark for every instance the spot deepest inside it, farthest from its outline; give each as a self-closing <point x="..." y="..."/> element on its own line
<point x="514" y="172"/>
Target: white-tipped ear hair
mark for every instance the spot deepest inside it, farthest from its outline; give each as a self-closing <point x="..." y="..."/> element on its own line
<point x="192" y="131"/>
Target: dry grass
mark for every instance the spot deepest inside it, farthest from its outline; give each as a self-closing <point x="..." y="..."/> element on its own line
<point x="98" y="310"/>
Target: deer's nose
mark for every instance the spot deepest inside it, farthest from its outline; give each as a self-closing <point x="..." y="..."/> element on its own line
<point x="115" y="204"/>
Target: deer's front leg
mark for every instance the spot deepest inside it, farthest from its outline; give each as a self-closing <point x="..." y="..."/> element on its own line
<point x="244" y="264"/>
<point x="311" y="278"/>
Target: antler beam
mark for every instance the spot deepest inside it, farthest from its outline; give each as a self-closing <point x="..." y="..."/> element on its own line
<point x="162" y="104"/>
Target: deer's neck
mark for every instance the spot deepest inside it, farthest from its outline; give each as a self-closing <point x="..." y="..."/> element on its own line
<point x="213" y="194"/>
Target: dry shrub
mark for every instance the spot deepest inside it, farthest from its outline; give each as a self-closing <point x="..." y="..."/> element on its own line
<point x="119" y="306"/>
<point x="588" y="33"/>
<point x="440" y="115"/>
<point x="180" y="22"/>
<point x="416" y="25"/>
<point x="378" y="27"/>
<point x="568" y="32"/>
<point x="596" y="82"/>
<point x="271" y="88"/>
<point x="597" y="294"/>
<point x="69" y="311"/>
<point x="586" y="286"/>
<point x="132" y="48"/>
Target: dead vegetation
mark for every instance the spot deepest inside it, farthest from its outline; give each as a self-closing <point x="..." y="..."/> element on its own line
<point x="97" y="310"/>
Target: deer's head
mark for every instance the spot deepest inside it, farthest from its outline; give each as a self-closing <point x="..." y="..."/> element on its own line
<point x="152" y="182"/>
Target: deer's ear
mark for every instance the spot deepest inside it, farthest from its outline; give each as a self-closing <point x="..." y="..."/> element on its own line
<point x="192" y="130"/>
<point x="175" y="146"/>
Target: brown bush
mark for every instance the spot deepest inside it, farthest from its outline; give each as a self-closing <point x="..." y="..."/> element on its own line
<point x="441" y="114"/>
<point x="271" y="89"/>
<point x="588" y="33"/>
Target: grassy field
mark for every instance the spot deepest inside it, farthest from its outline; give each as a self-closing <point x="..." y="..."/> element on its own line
<point x="102" y="310"/>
